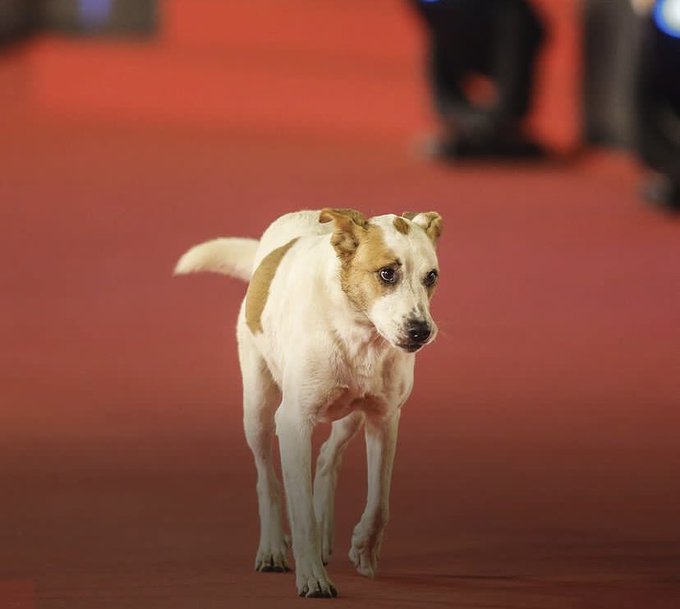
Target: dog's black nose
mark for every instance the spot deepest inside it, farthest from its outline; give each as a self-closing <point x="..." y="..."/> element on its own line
<point x="418" y="331"/>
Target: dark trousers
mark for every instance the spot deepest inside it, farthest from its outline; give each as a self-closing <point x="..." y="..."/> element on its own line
<point x="18" y="19"/>
<point x="657" y="102"/>
<point x="495" y="38"/>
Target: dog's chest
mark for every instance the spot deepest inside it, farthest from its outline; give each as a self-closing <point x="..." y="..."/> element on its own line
<point x="370" y="371"/>
<point x="365" y="374"/>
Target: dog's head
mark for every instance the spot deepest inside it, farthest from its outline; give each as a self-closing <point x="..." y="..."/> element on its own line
<point x="389" y="270"/>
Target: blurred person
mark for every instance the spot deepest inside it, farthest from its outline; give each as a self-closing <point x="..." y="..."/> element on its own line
<point x="657" y="97"/>
<point x="18" y="19"/>
<point x="610" y="44"/>
<point x="494" y="39"/>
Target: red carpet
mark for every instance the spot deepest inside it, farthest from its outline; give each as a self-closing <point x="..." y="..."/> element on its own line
<point x="538" y="458"/>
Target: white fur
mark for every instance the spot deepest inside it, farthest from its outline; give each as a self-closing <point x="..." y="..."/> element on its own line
<point x="232" y="256"/>
<point x="320" y="359"/>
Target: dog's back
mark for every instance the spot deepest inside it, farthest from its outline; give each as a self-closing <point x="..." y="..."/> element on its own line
<point x="288" y="227"/>
<point x="239" y="257"/>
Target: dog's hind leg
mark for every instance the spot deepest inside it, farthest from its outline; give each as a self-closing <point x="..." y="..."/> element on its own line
<point x="261" y="396"/>
<point x="325" y="480"/>
<point x="381" y="442"/>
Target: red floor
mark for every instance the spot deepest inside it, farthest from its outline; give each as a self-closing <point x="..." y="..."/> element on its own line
<point x="538" y="459"/>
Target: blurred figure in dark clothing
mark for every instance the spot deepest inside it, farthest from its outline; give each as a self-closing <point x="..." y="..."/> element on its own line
<point x="657" y="111"/>
<point x="610" y="47"/>
<point x="18" y="19"/>
<point x="497" y="39"/>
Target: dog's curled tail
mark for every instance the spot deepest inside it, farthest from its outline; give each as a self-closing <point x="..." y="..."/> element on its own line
<point x="233" y="256"/>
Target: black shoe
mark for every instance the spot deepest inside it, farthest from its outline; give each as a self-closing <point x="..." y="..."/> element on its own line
<point x="501" y="149"/>
<point x="663" y="193"/>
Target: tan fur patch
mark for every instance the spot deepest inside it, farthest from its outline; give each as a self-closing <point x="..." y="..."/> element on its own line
<point x="359" y="271"/>
<point x="258" y="288"/>
<point x="401" y="225"/>
<point x="349" y="225"/>
<point x="362" y="251"/>
<point x="434" y="226"/>
<point x="340" y="214"/>
<point x="431" y="223"/>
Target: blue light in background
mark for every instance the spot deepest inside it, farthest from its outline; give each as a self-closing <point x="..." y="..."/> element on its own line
<point x="667" y="17"/>
<point x="94" y="13"/>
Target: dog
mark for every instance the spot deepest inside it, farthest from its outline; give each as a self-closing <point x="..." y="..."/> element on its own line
<point x="337" y="305"/>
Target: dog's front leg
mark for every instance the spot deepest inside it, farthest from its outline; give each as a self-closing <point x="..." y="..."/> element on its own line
<point x="381" y="441"/>
<point x="294" y="429"/>
<point x="325" y="481"/>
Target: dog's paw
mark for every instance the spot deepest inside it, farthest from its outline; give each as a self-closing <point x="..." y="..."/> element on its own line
<point x="364" y="560"/>
<point x="365" y="551"/>
<point x="271" y="563"/>
<point x="317" y="588"/>
<point x="275" y="560"/>
<point x="314" y="582"/>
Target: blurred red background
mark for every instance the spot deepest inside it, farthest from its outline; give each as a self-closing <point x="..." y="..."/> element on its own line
<point x="335" y="67"/>
<point x="538" y="460"/>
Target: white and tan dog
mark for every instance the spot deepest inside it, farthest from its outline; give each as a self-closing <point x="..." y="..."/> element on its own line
<point x="336" y="307"/>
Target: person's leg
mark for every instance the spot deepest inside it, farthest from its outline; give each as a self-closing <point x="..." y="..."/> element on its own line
<point x="458" y="32"/>
<point x="656" y="124"/>
<point x="518" y="38"/>
<point x="499" y="39"/>
<point x="515" y="42"/>
<point x="445" y="72"/>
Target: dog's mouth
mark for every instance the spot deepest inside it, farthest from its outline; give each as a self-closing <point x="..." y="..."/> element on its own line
<point x="404" y="342"/>
<point x="416" y="335"/>
<point x="410" y="346"/>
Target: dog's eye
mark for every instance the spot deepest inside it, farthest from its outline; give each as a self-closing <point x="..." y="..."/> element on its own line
<point x="431" y="278"/>
<point x="388" y="275"/>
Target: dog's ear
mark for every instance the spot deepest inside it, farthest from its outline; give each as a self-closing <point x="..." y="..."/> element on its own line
<point x="350" y="225"/>
<point x="430" y="221"/>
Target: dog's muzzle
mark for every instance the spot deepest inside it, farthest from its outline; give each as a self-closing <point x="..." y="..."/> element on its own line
<point x="416" y="335"/>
